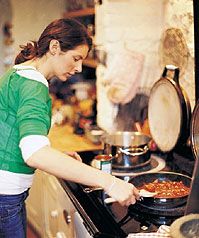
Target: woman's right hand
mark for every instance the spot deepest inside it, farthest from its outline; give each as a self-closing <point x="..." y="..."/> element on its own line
<point x="123" y="192"/>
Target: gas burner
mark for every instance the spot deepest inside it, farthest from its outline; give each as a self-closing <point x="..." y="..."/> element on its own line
<point x="156" y="216"/>
<point x="157" y="164"/>
<point x="159" y="210"/>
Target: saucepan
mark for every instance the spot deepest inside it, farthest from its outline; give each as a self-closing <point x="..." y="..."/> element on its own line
<point x="171" y="202"/>
<point x="128" y="149"/>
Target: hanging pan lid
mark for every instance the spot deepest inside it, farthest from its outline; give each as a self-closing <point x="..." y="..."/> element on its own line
<point x="168" y="110"/>
<point x="195" y="131"/>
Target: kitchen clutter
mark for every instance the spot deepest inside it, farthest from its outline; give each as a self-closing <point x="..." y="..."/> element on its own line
<point x="163" y="231"/>
<point x="74" y="104"/>
<point x="79" y="4"/>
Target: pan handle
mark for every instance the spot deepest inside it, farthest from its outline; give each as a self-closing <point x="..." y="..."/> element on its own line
<point x="90" y="190"/>
<point x="141" y="152"/>
<point x="174" y="69"/>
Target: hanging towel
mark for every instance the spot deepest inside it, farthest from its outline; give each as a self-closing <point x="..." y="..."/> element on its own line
<point x="124" y="74"/>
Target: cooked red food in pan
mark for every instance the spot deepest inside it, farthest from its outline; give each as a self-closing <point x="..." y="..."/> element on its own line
<point x="167" y="189"/>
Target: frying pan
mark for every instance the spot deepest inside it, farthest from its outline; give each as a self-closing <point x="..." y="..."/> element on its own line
<point x="195" y="131"/>
<point x="169" y="111"/>
<point x="142" y="179"/>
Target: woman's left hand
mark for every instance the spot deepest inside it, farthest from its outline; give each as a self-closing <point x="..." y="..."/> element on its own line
<point x="74" y="154"/>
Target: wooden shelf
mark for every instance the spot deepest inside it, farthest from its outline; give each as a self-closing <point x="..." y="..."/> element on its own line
<point x="80" y="13"/>
<point x="90" y="63"/>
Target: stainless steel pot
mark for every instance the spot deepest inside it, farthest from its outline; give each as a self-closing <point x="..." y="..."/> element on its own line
<point x="129" y="149"/>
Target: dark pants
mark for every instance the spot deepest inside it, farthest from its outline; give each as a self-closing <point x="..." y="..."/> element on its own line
<point x="13" y="216"/>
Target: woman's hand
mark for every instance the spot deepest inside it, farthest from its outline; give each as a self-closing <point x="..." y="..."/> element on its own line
<point x="123" y="192"/>
<point x="74" y="154"/>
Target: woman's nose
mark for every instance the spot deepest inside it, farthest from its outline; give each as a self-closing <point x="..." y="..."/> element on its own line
<point x="78" y="67"/>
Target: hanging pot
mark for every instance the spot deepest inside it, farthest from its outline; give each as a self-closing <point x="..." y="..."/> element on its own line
<point x="169" y="111"/>
<point x="129" y="149"/>
<point x="193" y="200"/>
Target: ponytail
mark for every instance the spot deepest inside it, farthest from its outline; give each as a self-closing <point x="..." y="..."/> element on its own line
<point x="28" y="52"/>
<point x="69" y="32"/>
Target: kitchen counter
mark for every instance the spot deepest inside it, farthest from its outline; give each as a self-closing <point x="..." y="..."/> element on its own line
<point x="62" y="138"/>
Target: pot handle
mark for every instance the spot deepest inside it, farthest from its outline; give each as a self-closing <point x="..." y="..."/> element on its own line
<point x="126" y="152"/>
<point x="174" y="69"/>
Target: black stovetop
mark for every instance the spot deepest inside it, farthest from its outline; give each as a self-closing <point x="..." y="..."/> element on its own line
<point x="113" y="220"/>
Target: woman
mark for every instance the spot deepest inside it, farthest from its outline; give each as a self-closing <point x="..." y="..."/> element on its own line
<point x="25" y="116"/>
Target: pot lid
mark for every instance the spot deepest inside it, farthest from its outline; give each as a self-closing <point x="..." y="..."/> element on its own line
<point x="165" y="114"/>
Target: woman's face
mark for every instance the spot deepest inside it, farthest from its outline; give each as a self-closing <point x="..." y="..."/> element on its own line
<point x="66" y="64"/>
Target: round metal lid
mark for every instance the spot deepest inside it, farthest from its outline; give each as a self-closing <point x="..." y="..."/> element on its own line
<point x="185" y="227"/>
<point x="165" y="114"/>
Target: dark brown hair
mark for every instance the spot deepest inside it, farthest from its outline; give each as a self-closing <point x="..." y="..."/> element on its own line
<point x="69" y="32"/>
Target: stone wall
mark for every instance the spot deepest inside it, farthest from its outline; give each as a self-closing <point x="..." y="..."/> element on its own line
<point x="137" y="26"/>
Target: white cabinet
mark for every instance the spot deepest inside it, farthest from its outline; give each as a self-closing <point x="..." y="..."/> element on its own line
<point x="59" y="209"/>
<point x="35" y="204"/>
<point x="49" y="209"/>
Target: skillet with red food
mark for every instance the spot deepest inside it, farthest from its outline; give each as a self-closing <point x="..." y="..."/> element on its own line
<point x="172" y="188"/>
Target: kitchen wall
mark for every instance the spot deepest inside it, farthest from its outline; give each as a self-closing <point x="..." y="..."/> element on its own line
<point x="30" y="17"/>
<point x="131" y="27"/>
<point x="5" y="16"/>
<point x="137" y="27"/>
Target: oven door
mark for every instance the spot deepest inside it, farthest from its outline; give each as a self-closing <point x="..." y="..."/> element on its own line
<point x="79" y="225"/>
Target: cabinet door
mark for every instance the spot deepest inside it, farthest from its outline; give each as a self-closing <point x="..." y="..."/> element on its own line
<point x="58" y="218"/>
<point x="66" y="214"/>
<point x="35" y="204"/>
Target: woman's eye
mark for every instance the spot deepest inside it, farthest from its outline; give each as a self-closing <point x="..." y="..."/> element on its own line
<point x="76" y="59"/>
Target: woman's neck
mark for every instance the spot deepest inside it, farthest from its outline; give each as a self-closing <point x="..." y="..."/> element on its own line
<point x="39" y="64"/>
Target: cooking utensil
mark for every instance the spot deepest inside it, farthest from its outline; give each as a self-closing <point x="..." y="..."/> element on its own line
<point x="169" y="111"/>
<point x="129" y="149"/>
<point x="140" y="180"/>
<point x="142" y="192"/>
<point x="145" y="193"/>
<point x="173" y="49"/>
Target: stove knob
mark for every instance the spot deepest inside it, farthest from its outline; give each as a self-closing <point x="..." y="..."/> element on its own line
<point x="144" y="227"/>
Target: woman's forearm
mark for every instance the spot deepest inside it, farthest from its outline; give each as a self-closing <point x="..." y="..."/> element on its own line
<point x="64" y="166"/>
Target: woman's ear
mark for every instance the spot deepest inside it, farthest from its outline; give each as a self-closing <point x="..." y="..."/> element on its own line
<point x="54" y="47"/>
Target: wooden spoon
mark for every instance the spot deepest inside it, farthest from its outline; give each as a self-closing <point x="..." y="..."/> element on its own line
<point x="145" y="193"/>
